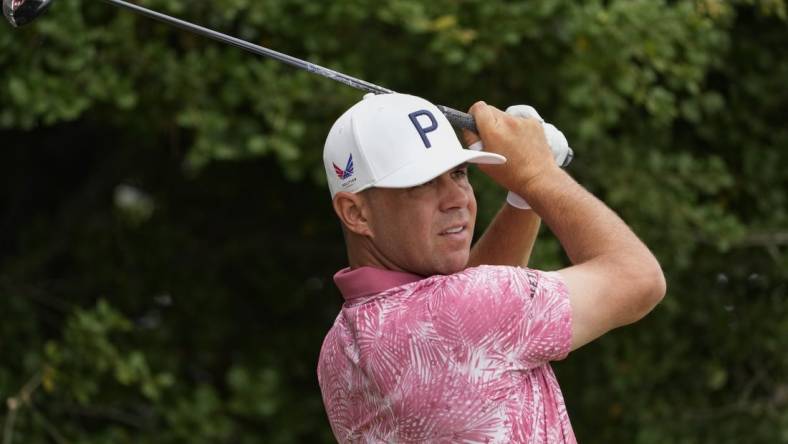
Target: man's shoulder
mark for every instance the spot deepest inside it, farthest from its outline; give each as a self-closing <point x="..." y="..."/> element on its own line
<point x="500" y="272"/>
<point x="505" y="278"/>
<point x="486" y="277"/>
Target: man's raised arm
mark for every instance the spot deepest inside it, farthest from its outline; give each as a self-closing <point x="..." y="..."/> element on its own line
<point x="614" y="279"/>
<point x="508" y="240"/>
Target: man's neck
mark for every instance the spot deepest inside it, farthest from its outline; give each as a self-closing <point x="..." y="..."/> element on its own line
<point x="369" y="256"/>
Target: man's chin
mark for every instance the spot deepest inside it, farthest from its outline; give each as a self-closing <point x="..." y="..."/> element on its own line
<point x="453" y="265"/>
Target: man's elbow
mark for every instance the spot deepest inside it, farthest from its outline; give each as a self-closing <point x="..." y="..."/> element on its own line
<point x="649" y="291"/>
<point x="643" y="287"/>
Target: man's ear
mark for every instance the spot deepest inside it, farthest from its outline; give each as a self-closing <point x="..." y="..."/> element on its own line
<point x="353" y="212"/>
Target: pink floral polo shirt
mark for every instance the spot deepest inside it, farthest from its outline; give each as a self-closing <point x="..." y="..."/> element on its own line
<point x="458" y="358"/>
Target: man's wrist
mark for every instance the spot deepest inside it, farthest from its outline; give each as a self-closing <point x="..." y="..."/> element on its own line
<point x="528" y="188"/>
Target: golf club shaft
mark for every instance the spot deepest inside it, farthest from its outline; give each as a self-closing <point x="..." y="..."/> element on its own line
<point x="458" y="119"/>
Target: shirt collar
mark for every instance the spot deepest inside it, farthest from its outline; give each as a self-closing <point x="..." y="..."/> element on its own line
<point x="366" y="281"/>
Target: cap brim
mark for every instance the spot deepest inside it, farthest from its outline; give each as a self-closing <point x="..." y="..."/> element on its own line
<point x="418" y="173"/>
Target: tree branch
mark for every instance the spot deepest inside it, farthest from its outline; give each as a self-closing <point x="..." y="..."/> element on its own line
<point x="765" y="239"/>
<point x="14" y="402"/>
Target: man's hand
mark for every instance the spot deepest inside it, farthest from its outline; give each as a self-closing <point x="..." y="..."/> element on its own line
<point x="521" y="140"/>
<point x="510" y="238"/>
<point x="555" y="140"/>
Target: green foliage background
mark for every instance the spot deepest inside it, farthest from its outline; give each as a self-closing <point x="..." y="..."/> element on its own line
<point x="167" y="243"/>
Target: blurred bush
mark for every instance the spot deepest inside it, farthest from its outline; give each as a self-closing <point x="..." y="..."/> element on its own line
<point x="167" y="243"/>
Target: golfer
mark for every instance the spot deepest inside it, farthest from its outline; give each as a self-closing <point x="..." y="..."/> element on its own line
<point x="441" y="342"/>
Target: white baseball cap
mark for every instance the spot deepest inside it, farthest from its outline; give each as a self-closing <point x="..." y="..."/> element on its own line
<point x="393" y="141"/>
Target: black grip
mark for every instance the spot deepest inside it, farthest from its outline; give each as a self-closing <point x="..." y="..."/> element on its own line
<point x="459" y="119"/>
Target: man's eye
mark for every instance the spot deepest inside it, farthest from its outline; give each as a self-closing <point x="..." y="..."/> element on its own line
<point x="459" y="174"/>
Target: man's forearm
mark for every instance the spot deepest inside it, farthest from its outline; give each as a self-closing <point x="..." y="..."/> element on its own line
<point x="508" y="240"/>
<point x="586" y="227"/>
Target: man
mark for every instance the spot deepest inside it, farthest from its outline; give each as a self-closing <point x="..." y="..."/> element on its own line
<point x="433" y="343"/>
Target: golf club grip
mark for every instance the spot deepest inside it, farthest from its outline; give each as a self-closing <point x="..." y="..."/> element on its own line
<point x="459" y="119"/>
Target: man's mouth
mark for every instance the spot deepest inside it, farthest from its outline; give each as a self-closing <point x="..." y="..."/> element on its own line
<point x="454" y="230"/>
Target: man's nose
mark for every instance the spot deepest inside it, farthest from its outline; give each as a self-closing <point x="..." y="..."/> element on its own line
<point x="452" y="194"/>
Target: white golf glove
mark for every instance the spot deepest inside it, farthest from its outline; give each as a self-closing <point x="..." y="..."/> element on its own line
<point x="555" y="139"/>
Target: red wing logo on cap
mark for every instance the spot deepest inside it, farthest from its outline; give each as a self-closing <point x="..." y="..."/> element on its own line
<point x="347" y="173"/>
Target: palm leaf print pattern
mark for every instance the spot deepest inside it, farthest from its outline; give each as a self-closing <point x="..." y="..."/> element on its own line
<point x="459" y="358"/>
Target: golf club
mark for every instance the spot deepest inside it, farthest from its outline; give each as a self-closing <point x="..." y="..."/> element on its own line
<point x="22" y="12"/>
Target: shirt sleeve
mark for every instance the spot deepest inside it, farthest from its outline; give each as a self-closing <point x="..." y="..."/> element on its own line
<point x="510" y="317"/>
<point x="546" y="320"/>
